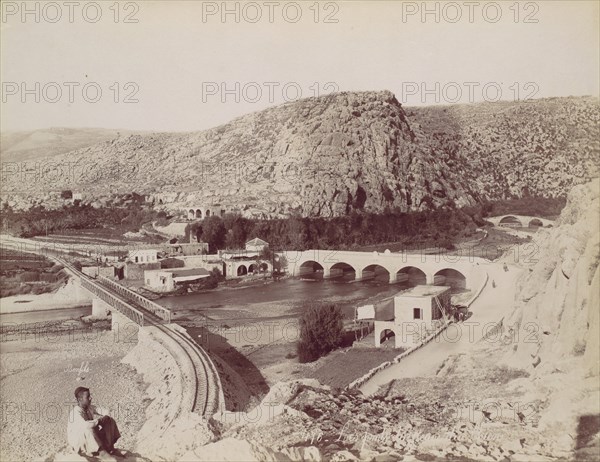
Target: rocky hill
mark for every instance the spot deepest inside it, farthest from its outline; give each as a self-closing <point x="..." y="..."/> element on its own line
<point x="559" y="298"/>
<point x="328" y="155"/>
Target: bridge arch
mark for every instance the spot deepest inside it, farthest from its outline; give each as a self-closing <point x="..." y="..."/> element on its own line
<point x="190" y="214"/>
<point x="373" y="271"/>
<point x="252" y="268"/>
<point x="343" y="270"/>
<point x="198" y="213"/>
<point x="242" y="270"/>
<point x="536" y="223"/>
<point x="310" y="268"/>
<point x="510" y="221"/>
<point x="411" y="275"/>
<point x="450" y="277"/>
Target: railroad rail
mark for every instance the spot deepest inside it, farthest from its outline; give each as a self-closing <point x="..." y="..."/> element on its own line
<point x="125" y="308"/>
<point x="207" y="390"/>
<point x="207" y="384"/>
<point x="143" y="302"/>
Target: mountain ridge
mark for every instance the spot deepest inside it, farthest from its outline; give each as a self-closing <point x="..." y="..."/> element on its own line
<point x="326" y="156"/>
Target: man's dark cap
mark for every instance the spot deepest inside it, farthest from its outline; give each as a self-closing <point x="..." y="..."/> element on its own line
<point x="80" y="390"/>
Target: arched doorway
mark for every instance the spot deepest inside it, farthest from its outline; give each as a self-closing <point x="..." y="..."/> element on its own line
<point x="450" y="277"/>
<point x="411" y="276"/>
<point x="252" y="268"/>
<point x="198" y="213"/>
<point x="208" y="213"/>
<point x="242" y="270"/>
<point x="190" y="214"/>
<point x="387" y="338"/>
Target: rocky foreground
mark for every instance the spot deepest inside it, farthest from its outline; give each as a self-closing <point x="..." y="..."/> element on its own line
<point x="333" y="154"/>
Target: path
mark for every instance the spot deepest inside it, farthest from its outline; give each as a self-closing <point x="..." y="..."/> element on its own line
<point x="490" y="307"/>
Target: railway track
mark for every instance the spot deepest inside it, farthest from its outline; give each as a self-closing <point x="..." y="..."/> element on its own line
<point x="205" y="399"/>
<point x="206" y="381"/>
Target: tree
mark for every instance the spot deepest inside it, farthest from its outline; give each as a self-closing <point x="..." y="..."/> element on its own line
<point x="213" y="232"/>
<point x="321" y="331"/>
<point x="297" y="233"/>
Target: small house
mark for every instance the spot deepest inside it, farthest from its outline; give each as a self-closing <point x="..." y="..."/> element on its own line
<point x="142" y="256"/>
<point x="417" y="313"/>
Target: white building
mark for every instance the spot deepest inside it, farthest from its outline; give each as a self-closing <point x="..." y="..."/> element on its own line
<point x="143" y="256"/>
<point x="168" y="280"/>
<point x="416" y="312"/>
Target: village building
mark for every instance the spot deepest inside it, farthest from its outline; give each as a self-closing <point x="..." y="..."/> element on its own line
<point x="177" y="248"/>
<point x="247" y="261"/>
<point x="409" y="316"/>
<point x="143" y="256"/>
<point x="169" y="280"/>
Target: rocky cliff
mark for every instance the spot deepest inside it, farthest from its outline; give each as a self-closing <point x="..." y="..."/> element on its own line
<point x="328" y="155"/>
<point x="558" y="301"/>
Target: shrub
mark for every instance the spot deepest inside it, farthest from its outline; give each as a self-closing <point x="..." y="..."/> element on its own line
<point x="30" y="276"/>
<point x="321" y="330"/>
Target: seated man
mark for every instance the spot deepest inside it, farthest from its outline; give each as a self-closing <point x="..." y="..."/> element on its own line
<point x="89" y="432"/>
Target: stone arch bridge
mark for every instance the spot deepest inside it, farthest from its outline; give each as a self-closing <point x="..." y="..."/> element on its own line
<point x="437" y="269"/>
<point x="520" y="221"/>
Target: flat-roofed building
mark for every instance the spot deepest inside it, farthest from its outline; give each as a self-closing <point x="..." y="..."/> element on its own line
<point x="416" y="312"/>
<point x="169" y="280"/>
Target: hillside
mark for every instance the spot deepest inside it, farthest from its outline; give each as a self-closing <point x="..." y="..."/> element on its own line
<point x="329" y="155"/>
<point x="39" y="144"/>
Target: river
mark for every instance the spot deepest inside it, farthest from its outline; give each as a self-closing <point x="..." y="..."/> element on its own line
<point x="292" y="290"/>
<point x="289" y="291"/>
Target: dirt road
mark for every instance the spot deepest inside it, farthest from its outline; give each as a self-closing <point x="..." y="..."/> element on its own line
<point x="492" y="305"/>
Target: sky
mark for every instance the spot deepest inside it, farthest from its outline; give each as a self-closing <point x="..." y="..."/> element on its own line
<point x="192" y="65"/>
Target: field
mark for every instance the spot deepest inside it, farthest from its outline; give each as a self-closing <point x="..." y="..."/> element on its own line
<point x="24" y="273"/>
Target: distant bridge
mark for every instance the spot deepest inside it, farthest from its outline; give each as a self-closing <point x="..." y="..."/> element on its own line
<point x="456" y="271"/>
<point x="520" y="221"/>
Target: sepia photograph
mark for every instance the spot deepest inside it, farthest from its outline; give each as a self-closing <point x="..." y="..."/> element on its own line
<point x="312" y="230"/>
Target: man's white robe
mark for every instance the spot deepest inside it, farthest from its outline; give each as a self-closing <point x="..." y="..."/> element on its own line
<point x="81" y="433"/>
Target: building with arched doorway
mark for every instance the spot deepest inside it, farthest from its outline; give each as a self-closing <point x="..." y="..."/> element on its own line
<point x="417" y="313"/>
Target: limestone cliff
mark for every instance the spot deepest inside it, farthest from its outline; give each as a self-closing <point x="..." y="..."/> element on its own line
<point x="558" y="302"/>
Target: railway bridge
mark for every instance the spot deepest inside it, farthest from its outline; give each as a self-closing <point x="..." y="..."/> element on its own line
<point x="203" y="390"/>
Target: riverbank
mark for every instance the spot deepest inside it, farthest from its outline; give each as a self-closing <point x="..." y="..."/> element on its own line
<point x="40" y="373"/>
<point x="69" y="295"/>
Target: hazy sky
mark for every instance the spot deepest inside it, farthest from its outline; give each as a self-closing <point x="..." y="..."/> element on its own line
<point x="183" y="65"/>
